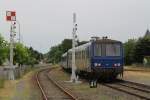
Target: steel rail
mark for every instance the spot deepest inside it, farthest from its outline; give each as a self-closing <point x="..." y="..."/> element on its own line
<point x="40" y="86"/>
<point x="126" y="91"/>
<point x="135" y="83"/>
<point x="54" y="82"/>
<point x="136" y="88"/>
<point x="137" y="70"/>
<point x="62" y="88"/>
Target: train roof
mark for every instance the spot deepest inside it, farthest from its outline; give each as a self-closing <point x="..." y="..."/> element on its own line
<point x="84" y="46"/>
<point x="81" y="47"/>
<point x="65" y="54"/>
<point x="106" y="41"/>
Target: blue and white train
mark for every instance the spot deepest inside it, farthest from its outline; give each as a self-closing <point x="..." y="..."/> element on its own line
<point x="99" y="58"/>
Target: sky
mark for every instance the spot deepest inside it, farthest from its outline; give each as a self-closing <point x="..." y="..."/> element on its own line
<point x="45" y="23"/>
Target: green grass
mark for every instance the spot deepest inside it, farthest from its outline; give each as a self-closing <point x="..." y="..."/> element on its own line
<point x="2" y="83"/>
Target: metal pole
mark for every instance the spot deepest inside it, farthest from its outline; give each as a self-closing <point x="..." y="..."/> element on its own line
<point x="19" y="31"/>
<point x="11" y="72"/>
<point x="73" y="76"/>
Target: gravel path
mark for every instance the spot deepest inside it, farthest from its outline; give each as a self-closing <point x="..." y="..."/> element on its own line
<point x="26" y="89"/>
<point x="22" y="89"/>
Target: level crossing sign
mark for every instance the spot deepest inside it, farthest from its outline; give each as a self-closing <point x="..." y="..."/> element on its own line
<point x="10" y="16"/>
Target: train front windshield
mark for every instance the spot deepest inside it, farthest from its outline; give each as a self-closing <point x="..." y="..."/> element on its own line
<point x="107" y="49"/>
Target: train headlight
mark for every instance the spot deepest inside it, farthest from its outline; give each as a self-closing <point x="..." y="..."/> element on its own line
<point x="115" y="65"/>
<point x="95" y="64"/>
<point x="99" y="64"/>
<point x="119" y="64"/>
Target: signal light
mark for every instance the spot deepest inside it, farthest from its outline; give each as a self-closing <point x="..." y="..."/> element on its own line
<point x="117" y="65"/>
<point x="95" y="64"/>
<point x="99" y="64"/>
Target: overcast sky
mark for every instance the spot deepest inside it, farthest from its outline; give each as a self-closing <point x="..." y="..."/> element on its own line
<point x="45" y="23"/>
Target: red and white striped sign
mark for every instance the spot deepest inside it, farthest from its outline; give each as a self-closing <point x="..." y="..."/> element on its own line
<point x="10" y="15"/>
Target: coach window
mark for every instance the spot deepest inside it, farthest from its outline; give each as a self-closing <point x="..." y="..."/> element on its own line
<point x="113" y="49"/>
<point x="87" y="52"/>
<point x="82" y="54"/>
<point x="77" y="55"/>
<point x="97" y="50"/>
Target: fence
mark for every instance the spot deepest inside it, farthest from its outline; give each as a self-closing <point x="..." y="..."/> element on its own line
<point x="18" y="71"/>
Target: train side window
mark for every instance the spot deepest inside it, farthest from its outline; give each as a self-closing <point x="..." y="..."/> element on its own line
<point x="87" y="55"/>
<point x="80" y="55"/>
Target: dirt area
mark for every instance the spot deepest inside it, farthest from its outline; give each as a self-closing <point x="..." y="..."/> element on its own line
<point x="84" y="92"/>
<point x="22" y="89"/>
<point x="135" y="68"/>
<point x="137" y="76"/>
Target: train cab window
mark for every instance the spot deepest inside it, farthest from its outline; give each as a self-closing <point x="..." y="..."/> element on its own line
<point x="113" y="49"/>
<point x="97" y="50"/>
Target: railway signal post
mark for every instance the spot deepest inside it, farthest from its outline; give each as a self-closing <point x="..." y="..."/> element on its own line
<point x="73" y="75"/>
<point x="11" y="16"/>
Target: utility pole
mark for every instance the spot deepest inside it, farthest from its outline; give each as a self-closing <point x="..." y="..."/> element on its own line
<point x="73" y="76"/>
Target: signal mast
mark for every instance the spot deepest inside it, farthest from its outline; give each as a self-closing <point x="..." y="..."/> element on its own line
<point x="74" y="36"/>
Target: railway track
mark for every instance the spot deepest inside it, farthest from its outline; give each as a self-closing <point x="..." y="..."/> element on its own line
<point x="50" y="89"/>
<point x="136" y="89"/>
<point x="137" y="70"/>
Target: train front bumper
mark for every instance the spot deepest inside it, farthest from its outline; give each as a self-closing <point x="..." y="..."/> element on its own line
<point x="103" y="70"/>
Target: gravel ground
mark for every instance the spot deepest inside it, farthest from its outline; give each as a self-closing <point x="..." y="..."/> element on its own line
<point x="84" y="92"/>
<point x="22" y="89"/>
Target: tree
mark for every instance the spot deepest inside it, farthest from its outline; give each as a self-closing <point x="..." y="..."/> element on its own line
<point x="21" y="54"/>
<point x="35" y="55"/>
<point x="3" y="50"/>
<point x="55" y="53"/>
<point x="142" y="49"/>
<point x="66" y="45"/>
<point x="129" y="47"/>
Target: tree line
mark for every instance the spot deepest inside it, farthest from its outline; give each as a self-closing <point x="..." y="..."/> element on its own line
<point x="55" y="52"/>
<point x="22" y="54"/>
<point x="135" y="50"/>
